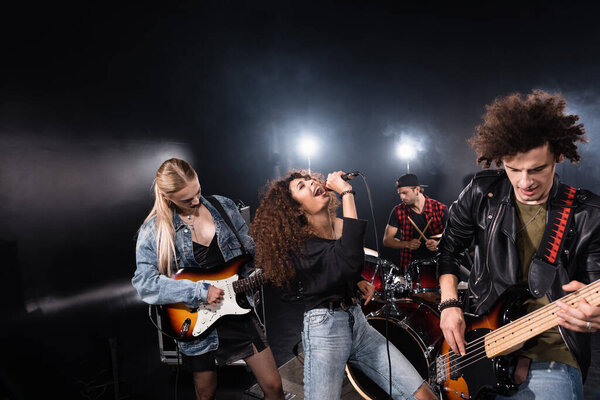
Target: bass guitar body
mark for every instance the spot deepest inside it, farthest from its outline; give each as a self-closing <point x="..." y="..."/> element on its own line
<point x="475" y="376"/>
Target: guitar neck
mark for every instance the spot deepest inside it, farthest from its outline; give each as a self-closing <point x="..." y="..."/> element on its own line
<point x="252" y="282"/>
<point x="511" y="335"/>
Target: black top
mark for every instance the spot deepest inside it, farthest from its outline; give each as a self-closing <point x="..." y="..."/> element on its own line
<point x="331" y="268"/>
<point x="208" y="256"/>
<point x="420" y="220"/>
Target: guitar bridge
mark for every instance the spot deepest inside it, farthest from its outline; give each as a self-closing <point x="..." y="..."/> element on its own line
<point x="440" y="370"/>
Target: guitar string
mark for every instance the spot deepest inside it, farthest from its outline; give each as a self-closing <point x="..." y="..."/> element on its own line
<point x="469" y="359"/>
<point x="552" y="307"/>
<point x="248" y="283"/>
<point x="569" y="298"/>
<point x="519" y="340"/>
<point x="546" y="314"/>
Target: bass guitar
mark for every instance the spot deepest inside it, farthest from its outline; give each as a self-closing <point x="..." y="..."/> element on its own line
<point x="187" y="323"/>
<point x="485" y="369"/>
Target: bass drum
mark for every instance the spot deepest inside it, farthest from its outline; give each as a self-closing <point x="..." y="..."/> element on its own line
<point x="414" y="328"/>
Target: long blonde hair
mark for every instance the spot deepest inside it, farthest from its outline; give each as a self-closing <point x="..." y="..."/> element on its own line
<point x="172" y="176"/>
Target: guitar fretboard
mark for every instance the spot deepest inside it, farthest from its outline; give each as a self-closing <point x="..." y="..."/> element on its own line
<point x="530" y="325"/>
<point x="252" y="282"/>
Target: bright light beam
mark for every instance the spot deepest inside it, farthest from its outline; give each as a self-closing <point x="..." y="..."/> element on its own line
<point x="307" y="146"/>
<point x="406" y="151"/>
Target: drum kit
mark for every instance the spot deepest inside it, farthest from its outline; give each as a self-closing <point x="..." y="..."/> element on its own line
<point x="404" y="307"/>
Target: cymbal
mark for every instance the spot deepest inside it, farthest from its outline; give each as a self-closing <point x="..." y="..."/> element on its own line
<point x="370" y="252"/>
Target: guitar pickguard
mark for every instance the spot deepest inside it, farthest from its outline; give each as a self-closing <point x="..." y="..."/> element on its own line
<point x="207" y="314"/>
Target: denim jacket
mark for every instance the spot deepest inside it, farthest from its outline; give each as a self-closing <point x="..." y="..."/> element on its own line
<point x="155" y="288"/>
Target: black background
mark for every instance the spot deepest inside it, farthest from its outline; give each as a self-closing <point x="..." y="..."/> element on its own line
<point x="95" y="95"/>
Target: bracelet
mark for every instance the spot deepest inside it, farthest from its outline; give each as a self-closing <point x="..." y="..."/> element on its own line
<point x="346" y="192"/>
<point x="449" y="304"/>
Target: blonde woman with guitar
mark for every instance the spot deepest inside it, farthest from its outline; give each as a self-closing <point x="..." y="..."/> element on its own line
<point x="190" y="252"/>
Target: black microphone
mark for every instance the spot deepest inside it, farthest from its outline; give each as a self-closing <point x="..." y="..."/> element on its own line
<point x="350" y="175"/>
<point x="346" y="177"/>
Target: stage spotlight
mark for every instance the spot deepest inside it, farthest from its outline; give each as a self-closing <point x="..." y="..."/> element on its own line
<point x="307" y="146"/>
<point x="406" y="150"/>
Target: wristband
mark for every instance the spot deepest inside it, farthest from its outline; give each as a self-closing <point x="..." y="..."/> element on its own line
<point x="449" y="304"/>
<point x="346" y="192"/>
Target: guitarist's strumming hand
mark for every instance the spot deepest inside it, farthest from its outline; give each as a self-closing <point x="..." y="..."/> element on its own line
<point x="452" y="324"/>
<point x="215" y="295"/>
<point x="452" y="320"/>
<point x="584" y="317"/>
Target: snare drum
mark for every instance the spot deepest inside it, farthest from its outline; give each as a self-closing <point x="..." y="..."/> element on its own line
<point x="422" y="279"/>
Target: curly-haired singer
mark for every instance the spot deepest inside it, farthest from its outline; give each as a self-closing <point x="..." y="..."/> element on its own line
<point x="301" y="244"/>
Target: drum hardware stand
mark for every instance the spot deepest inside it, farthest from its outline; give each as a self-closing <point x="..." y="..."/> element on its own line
<point x="377" y="268"/>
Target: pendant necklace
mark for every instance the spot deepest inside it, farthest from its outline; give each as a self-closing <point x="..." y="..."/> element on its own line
<point x="530" y="220"/>
<point x="189" y="221"/>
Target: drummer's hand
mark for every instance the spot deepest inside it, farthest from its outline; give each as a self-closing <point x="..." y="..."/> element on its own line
<point x="452" y="324"/>
<point x="336" y="183"/>
<point x="367" y="291"/>
<point x="215" y="295"/>
<point x="413" y="244"/>
<point x="431" y="244"/>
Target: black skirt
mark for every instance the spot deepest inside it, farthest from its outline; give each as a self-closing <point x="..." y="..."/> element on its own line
<point x="237" y="334"/>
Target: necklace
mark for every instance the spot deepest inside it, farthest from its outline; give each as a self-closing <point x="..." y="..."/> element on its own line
<point x="530" y="220"/>
<point x="189" y="221"/>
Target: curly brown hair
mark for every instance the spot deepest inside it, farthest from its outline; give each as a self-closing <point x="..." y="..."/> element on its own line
<point x="279" y="228"/>
<point x="518" y="123"/>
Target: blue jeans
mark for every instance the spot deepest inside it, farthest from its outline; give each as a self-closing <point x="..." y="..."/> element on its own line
<point x="549" y="381"/>
<point x="332" y="338"/>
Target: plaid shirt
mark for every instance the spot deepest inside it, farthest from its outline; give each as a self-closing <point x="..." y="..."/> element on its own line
<point x="433" y="210"/>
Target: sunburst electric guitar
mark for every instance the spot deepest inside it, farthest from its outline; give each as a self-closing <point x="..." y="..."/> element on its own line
<point x="188" y="323"/>
<point x="484" y="370"/>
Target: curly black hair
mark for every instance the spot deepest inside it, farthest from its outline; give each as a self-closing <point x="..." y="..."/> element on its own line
<point x="279" y="229"/>
<point x="518" y="123"/>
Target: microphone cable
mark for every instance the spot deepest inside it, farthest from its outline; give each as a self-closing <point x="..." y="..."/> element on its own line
<point x="372" y="212"/>
<point x="378" y="270"/>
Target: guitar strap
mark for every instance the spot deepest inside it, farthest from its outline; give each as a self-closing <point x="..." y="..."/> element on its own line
<point x="224" y="215"/>
<point x="544" y="264"/>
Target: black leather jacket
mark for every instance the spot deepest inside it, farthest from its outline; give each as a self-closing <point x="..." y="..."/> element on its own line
<point x="484" y="212"/>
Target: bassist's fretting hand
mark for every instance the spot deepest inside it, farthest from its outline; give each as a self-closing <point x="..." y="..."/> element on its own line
<point x="583" y="317"/>
<point x="215" y="295"/>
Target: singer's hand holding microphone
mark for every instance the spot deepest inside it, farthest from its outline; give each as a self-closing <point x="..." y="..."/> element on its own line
<point x="338" y="181"/>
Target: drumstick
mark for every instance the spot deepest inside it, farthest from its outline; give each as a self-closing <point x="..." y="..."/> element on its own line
<point x="417" y="228"/>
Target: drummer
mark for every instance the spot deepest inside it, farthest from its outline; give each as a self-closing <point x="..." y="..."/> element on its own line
<point x="416" y="224"/>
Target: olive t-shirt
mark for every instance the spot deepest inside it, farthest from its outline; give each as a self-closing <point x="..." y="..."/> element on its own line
<point x="531" y="223"/>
